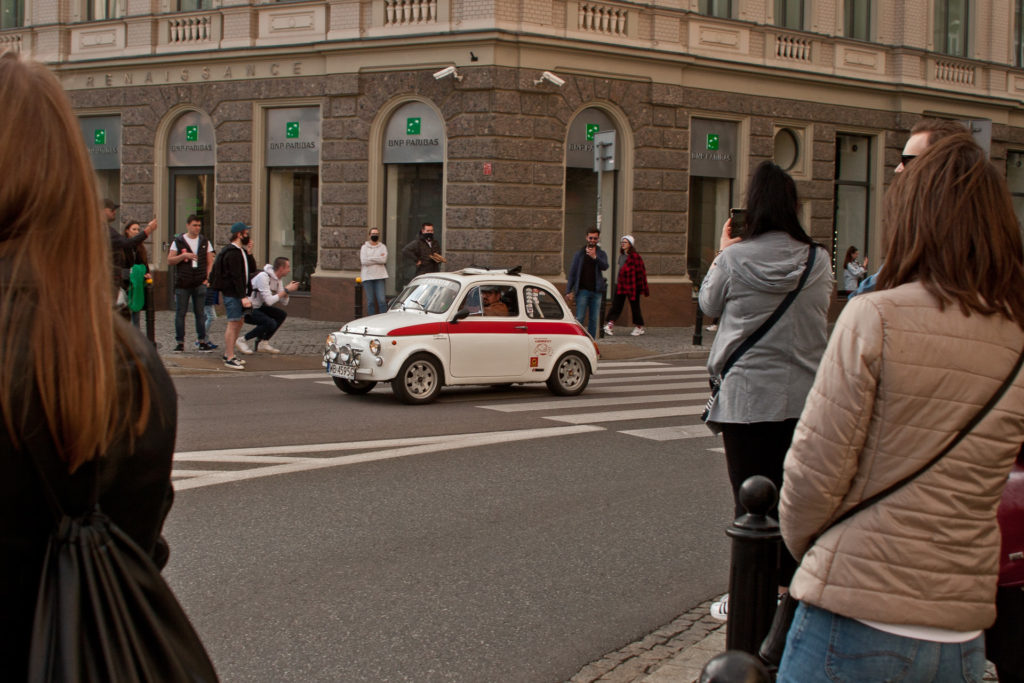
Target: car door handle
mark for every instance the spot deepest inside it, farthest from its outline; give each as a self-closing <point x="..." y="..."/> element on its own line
<point x="520" y="327"/>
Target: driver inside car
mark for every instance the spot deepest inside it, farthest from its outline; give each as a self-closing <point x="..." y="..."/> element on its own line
<point x="493" y="305"/>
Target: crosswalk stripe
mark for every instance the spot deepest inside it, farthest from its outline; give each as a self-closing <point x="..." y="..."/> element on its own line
<point x="699" y="431"/>
<point x="301" y="375"/>
<point x="687" y="369"/>
<point x="659" y="386"/>
<point x="619" y="415"/>
<point x="584" y="403"/>
<point x="665" y="375"/>
<point x="629" y="364"/>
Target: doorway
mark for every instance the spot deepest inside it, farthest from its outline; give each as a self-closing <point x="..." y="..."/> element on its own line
<point x="413" y="196"/>
<point x="191" y="193"/>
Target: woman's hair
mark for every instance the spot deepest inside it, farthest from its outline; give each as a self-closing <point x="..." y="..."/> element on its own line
<point x="140" y="248"/>
<point x="56" y="278"/>
<point x="851" y="253"/>
<point x="772" y="203"/>
<point x="951" y="226"/>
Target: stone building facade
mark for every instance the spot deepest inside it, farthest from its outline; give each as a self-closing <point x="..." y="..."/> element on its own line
<point x="316" y="120"/>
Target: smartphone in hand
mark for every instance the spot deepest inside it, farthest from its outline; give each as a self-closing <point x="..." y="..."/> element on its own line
<point x="738" y="223"/>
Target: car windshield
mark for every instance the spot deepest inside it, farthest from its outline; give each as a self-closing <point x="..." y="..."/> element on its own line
<point x="433" y="295"/>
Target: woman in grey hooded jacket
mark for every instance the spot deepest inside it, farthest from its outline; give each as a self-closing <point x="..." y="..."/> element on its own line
<point x="762" y="395"/>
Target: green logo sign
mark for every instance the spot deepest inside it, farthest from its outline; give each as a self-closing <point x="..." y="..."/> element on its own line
<point x="712" y="141"/>
<point x="412" y="125"/>
<point x="191" y="133"/>
<point x="99" y="136"/>
<point x="592" y="130"/>
<point x="291" y="129"/>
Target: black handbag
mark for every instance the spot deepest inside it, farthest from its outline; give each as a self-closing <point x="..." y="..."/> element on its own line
<point x="716" y="382"/>
<point x="104" y="612"/>
<point x="774" y="643"/>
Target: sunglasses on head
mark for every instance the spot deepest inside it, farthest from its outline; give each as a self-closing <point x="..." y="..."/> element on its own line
<point x="907" y="158"/>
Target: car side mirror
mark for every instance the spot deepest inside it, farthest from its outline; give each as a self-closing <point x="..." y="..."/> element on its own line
<point x="461" y="315"/>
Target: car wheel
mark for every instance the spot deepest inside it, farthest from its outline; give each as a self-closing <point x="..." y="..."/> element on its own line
<point x="353" y="386"/>
<point x="570" y="376"/>
<point x="419" y="380"/>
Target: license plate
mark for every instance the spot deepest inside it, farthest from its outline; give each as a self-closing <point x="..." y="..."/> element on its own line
<point x="342" y="371"/>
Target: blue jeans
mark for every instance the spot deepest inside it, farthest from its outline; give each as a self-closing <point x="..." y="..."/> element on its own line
<point x="181" y="298"/>
<point x="823" y="646"/>
<point x="375" y="296"/>
<point x="587" y="300"/>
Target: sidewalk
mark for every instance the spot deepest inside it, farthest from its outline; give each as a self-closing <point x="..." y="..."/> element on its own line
<point x="301" y="341"/>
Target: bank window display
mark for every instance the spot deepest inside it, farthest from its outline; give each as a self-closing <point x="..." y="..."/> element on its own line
<point x="790" y="14"/>
<point x="857" y="19"/>
<point x="713" y="157"/>
<point x="951" y="27"/>
<point x="413" y="156"/>
<point x="1015" y="180"/>
<point x="12" y="13"/>
<point x="852" y="220"/>
<point x="293" y="190"/>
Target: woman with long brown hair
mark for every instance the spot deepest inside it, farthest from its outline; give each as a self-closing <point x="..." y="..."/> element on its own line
<point x="905" y="585"/>
<point x="82" y="394"/>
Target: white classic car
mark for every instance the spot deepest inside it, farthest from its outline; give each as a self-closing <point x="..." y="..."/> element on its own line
<point x="473" y="326"/>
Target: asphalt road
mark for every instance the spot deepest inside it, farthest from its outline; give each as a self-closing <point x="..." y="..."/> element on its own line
<point x="344" y="543"/>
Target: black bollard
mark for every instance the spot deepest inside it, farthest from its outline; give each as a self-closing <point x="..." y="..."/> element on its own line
<point x="358" y="309"/>
<point x="698" y="330"/>
<point x="150" y="314"/>
<point x="735" y="667"/>
<point x="754" y="569"/>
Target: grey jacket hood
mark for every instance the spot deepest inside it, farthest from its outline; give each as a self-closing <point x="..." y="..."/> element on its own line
<point x="770" y="263"/>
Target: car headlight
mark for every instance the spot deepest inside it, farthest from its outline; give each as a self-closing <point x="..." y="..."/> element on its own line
<point x="345" y="353"/>
<point x="375" y="347"/>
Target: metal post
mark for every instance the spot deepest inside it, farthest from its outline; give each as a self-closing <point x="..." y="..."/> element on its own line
<point x="734" y="667"/>
<point x="698" y="330"/>
<point x="150" y="314"/>
<point x="358" y="308"/>
<point x="754" y="570"/>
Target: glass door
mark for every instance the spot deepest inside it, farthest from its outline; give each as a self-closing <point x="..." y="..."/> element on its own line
<point x="413" y="196"/>
<point x="191" y="195"/>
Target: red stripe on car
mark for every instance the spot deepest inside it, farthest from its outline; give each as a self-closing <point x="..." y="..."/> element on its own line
<point x="556" y="328"/>
<point x="425" y="328"/>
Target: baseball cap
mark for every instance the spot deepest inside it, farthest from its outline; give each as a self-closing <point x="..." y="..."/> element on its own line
<point x="239" y="227"/>
<point x="109" y="204"/>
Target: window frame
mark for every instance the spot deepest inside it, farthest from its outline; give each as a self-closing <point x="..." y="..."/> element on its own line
<point x="849" y="18"/>
<point x="782" y="7"/>
<point x="941" y="33"/>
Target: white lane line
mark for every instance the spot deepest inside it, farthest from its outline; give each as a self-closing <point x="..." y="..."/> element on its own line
<point x="617" y="415"/>
<point x="653" y="371"/>
<point x="717" y="450"/>
<point x="667" y="375"/>
<point x="584" y="403"/>
<point x="315" y="447"/>
<point x="301" y="375"/>
<point x="671" y="433"/>
<point x="451" y="442"/>
<point x="660" y="386"/>
<point x="213" y="456"/>
<point x="188" y="473"/>
<point x="329" y="382"/>
<point x="628" y="364"/>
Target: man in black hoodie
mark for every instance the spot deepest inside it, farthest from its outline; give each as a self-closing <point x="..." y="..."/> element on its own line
<point x="234" y="274"/>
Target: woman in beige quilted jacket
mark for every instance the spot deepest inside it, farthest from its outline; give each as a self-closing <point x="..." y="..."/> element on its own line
<point x="903" y="589"/>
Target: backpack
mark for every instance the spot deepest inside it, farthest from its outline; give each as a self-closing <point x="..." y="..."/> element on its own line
<point x="216" y="272"/>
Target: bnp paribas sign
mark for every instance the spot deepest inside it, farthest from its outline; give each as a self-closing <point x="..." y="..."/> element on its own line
<point x="102" y="135"/>
<point x="414" y="135"/>
<point x="293" y="136"/>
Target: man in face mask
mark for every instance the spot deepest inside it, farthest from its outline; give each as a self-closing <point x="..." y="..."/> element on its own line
<point x="235" y="268"/>
<point x="425" y="252"/>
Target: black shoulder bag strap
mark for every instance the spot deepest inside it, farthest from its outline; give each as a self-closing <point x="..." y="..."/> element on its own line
<point x="971" y="424"/>
<point x="773" y="318"/>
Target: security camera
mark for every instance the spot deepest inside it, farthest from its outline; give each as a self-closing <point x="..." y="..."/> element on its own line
<point x="550" y="78"/>
<point x="447" y="71"/>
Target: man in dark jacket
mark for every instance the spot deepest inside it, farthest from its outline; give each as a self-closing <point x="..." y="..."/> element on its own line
<point x="191" y="253"/>
<point x="119" y="244"/>
<point x="586" y="283"/>
<point x="424" y="251"/>
<point x="235" y="271"/>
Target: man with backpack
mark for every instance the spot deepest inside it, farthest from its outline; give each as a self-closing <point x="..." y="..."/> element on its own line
<point x="232" y="275"/>
<point x="191" y="253"/>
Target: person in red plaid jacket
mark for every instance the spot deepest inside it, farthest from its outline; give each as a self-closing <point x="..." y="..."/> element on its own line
<point x="630" y="284"/>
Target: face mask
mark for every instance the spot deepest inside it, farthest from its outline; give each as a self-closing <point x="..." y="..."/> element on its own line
<point x="245" y="239"/>
<point x="374" y="238"/>
<point x="427" y="235"/>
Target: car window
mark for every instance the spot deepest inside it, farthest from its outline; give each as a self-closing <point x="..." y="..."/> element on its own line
<point x="433" y="295"/>
<point x="540" y="303"/>
<point x="492" y="300"/>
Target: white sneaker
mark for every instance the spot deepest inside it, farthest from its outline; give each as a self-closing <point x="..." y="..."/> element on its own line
<point x="637" y="331"/>
<point x="720" y="609"/>
<point x="265" y="346"/>
<point x="711" y="328"/>
<point x="243" y="347"/>
<point x="608" y="329"/>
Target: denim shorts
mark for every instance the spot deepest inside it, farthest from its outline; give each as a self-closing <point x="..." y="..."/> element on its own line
<point x="823" y="646"/>
<point x="233" y="308"/>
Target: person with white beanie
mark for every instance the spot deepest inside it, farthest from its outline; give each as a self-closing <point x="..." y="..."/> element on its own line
<point x="630" y="284"/>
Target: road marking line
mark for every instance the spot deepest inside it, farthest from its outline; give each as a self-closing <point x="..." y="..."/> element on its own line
<point x="661" y="386"/>
<point x="671" y="433"/>
<point x="667" y="375"/>
<point x="617" y="415"/>
<point x="584" y="403"/>
<point x="301" y="375"/>
<point x="717" y="450"/>
<point x="661" y="370"/>
<point x="451" y="442"/>
<point x="316" y="447"/>
<point x="628" y="364"/>
<point x="200" y="456"/>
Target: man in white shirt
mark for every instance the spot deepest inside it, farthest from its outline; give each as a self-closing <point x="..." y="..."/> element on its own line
<point x="267" y="289"/>
<point x="192" y="253"/>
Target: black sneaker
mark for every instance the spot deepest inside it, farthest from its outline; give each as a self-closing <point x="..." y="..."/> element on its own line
<point x="239" y="359"/>
<point x="205" y="346"/>
<point x="234" y="364"/>
<point x="180" y="347"/>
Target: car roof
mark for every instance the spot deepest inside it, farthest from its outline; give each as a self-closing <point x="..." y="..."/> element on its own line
<point x="474" y="275"/>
